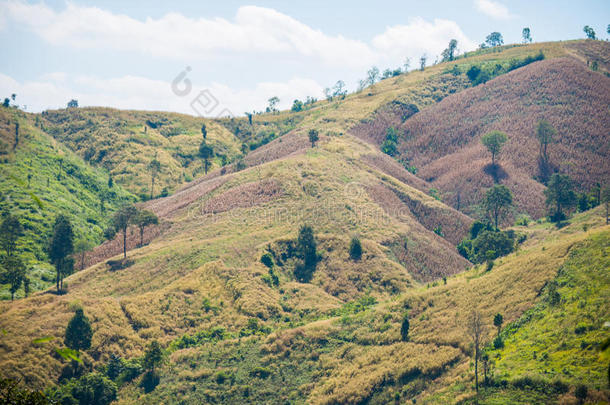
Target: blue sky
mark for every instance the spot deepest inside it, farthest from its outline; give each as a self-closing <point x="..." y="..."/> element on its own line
<point x="126" y="54"/>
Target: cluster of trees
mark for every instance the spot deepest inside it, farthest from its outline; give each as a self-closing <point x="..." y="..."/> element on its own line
<point x="299" y="105"/>
<point x="306" y="249"/>
<point x="126" y="216"/>
<point x="337" y="91"/>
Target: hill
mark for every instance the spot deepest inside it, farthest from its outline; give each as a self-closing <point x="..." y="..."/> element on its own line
<point x="443" y="141"/>
<point x="125" y="142"/>
<point x="218" y="282"/>
<point x="41" y="179"/>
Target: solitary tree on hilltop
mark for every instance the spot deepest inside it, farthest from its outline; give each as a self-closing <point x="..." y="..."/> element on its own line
<point x="61" y="247"/>
<point x="155" y="167"/>
<point x="494" y="141"/>
<point x="560" y="195"/>
<point x="498" y="200"/>
<point x="589" y="32"/>
<point x="449" y="53"/>
<point x="143" y="219"/>
<point x="121" y="220"/>
<point x="78" y="332"/>
<point x="545" y="133"/>
<point x="494" y="39"/>
<point x="526" y="35"/>
<point x="313" y="137"/>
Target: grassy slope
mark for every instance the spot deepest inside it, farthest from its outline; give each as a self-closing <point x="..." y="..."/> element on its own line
<point x="74" y="190"/>
<point x="118" y="141"/>
<point x="443" y="141"/>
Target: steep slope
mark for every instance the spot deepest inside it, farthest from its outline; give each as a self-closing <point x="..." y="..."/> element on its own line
<point x="42" y="179"/>
<point x="443" y="141"/>
<point x="125" y="142"/>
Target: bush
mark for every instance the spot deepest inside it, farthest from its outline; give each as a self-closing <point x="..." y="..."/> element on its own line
<point x="498" y="343"/>
<point x="91" y="389"/>
<point x="78" y="332"/>
<point x="267" y="260"/>
<point x="404" y="329"/>
<point x="149" y="382"/>
<point x="355" y="249"/>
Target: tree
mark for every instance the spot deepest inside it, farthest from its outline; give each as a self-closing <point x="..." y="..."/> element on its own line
<point x="6" y="103"/>
<point x="81" y="247"/>
<point x="372" y="75"/>
<point x="78" y="332"/>
<point x="355" y="249"/>
<point x="404" y="328"/>
<point x="339" y="90"/>
<point x="206" y="152"/>
<point x="249" y="115"/>
<point x="61" y="246"/>
<point x="560" y="195"/>
<point x="581" y="393"/>
<point x="90" y="389"/>
<point x="589" y="32"/>
<point x="406" y="65"/>
<point x="498" y="320"/>
<point x="494" y="39"/>
<point x="10" y="231"/>
<point x="13" y="273"/>
<point x="153" y="356"/>
<point x="526" y="35"/>
<point x="498" y="200"/>
<point x="297" y="105"/>
<point x="121" y="220"/>
<point x="204" y="131"/>
<point x="422" y="62"/>
<point x="448" y="54"/>
<point x="494" y="141"/>
<point x="476" y="330"/>
<point x="143" y="219"/>
<point x="73" y="103"/>
<point x="155" y="167"/>
<point x="545" y="133"/>
<point x="313" y="137"/>
<point x="306" y="250"/>
<point x="114" y="367"/>
<point x="605" y="198"/>
<point x="273" y="102"/>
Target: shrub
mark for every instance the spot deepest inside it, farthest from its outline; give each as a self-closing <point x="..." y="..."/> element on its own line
<point x="149" y="382"/>
<point x="91" y="389"/>
<point x="78" y="332"/>
<point x="267" y="260"/>
<point x="355" y="249"/>
<point x="498" y="343"/>
<point x="404" y="329"/>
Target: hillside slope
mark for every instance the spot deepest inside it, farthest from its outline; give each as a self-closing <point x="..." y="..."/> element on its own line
<point x="41" y="179"/>
<point x="443" y="141"/>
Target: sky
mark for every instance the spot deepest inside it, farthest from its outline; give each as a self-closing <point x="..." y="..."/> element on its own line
<point x="228" y="57"/>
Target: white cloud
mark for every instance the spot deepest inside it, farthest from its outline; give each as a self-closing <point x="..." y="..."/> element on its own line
<point x="255" y="29"/>
<point x="419" y="37"/>
<point x="135" y="92"/>
<point x="493" y="9"/>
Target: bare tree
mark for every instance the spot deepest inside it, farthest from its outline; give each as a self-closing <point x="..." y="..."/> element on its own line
<point x="476" y="330"/>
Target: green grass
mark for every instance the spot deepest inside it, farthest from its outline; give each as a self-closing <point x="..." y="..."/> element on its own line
<point x="60" y="183"/>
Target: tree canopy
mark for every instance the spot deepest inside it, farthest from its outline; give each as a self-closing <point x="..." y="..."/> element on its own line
<point x="78" y="332"/>
<point x="498" y="199"/>
<point x="494" y="141"/>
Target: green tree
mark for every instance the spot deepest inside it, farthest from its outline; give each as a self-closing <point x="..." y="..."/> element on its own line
<point x="339" y="90"/>
<point x="81" y="247"/>
<point x="306" y="250"/>
<point x="297" y="106"/>
<point x="545" y="133"/>
<point x="449" y="53"/>
<point x="206" y="152"/>
<point x="121" y="220"/>
<point x="498" y="200"/>
<point x="61" y="247"/>
<point x="560" y="195"/>
<point x="155" y="167"/>
<point x="10" y="231"/>
<point x="204" y="131"/>
<point x="355" y="249"/>
<point x="494" y="141"/>
<point x="90" y="389"/>
<point x="313" y="137"/>
<point x="78" y="332"/>
<point x="581" y="393"/>
<point x="422" y="62"/>
<point x="526" y="35"/>
<point x="589" y="32"/>
<point x="13" y="273"/>
<point x="273" y="102"/>
<point x="114" y="367"/>
<point x="143" y="219"/>
<point x="494" y="39"/>
<point x="153" y="356"/>
<point x="372" y="75"/>
<point x="404" y="328"/>
<point x="498" y="320"/>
